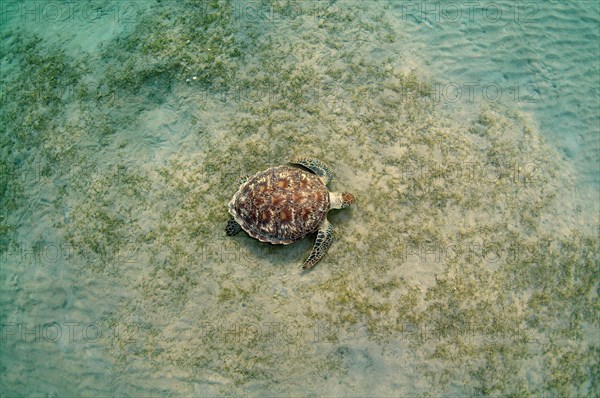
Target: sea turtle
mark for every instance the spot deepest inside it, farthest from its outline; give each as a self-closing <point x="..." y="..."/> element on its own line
<point x="283" y="204"/>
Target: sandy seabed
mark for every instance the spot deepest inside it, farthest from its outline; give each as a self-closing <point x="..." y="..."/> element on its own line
<point x="469" y="265"/>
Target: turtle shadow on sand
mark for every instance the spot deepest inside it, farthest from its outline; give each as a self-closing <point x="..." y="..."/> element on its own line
<point x="279" y="256"/>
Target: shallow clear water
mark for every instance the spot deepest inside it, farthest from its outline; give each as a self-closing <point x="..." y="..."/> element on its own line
<point x="469" y="135"/>
<point x="540" y="56"/>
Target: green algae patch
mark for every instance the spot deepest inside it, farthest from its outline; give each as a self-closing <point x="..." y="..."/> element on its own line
<point x="192" y="40"/>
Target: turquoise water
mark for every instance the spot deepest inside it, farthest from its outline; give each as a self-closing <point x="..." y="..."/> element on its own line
<point x="469" y="135"/>
<point x="541" y="56"/>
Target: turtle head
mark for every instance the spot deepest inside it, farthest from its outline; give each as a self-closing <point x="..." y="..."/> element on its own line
<point x="340" y="200"/>
<point x="347" y="199"/>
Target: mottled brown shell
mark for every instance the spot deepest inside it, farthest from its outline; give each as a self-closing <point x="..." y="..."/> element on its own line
<point x="280" y="205"/>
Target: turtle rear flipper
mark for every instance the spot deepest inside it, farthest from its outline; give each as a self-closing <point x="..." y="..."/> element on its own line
<point x="232" y="228"/>
<point x="322" y="243"/>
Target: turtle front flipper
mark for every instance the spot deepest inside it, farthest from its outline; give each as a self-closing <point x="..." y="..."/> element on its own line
<point x="232" y="228"/>
<point x="316" y="166"/>
<point x="324" y="239"/>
